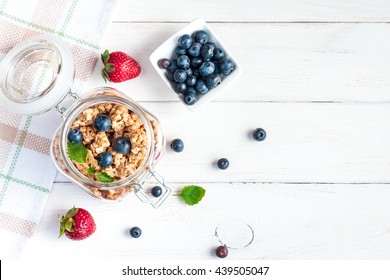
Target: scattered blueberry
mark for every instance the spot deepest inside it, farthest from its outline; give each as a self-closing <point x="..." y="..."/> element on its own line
<point x="196" y="62"/>
<point x="104" y="159"/>
<point x="180" y="50"/>
<point x="185" y="41"/>
<point x="191" y="80"/>
<point x="201" y="36"/>
<point x="183" y="61"/>
<point x="135" y="232"/>
<point x="75" y="136"/>
<point x="207" y="51"/>
<point x="190" y="99"/>
<point x="213" y="80"/>
<point x="201" y="87"/>
<point x="156" y="191"/>
<point x="259" y="134"/>
<point x="219" y="54"/>
<point x="222" y="251"/>
<point x="206" y="68"/>
<point x="194" y="50"/>
<point x="177" y="145"/>
<point x="102" y="123"/>
<point x="223" y="163"/>
<point x="122" y="145"/>
<point x="180" y="76"/>
<point x="164" y="63"/>
<point x="226" y="66"/>
<point x="180" y="87"/>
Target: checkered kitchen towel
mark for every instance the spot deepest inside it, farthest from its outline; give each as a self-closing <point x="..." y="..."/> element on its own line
<point x="26" y="170"/>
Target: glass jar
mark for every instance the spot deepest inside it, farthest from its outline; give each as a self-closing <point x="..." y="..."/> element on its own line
<point x="36" y="76"/>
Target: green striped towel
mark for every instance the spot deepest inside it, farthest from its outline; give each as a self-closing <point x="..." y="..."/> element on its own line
<point x="26" y="170"/>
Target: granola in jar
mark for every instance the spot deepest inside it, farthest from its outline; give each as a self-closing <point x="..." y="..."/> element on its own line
<point x="98" y="142"/>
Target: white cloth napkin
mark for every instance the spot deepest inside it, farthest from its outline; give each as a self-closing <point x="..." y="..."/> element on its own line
<point x="26" y="169"/>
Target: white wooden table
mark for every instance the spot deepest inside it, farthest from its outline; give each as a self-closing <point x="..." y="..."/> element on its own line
<point x="316" y="78"/>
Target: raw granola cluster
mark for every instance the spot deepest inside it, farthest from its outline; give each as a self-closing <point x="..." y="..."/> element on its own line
<point x="123" y="123"/>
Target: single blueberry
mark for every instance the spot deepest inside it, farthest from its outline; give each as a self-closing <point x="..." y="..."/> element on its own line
<point x="222" y="251"/>
<point x="185" y="41"/>
<point x="180" y="51"/>
<point x="156" y="191"/>
<point x="122" y="145"/>
<point x="201" y="87"/>
<point x="219" y="54"/>
<point x="177" y="145"/>
<point x="164" y="63"/>
<point x="207" y="51"/>
<point x="172" y="67"/>
<point x="196" y="62"/>
<point x="180" y="76"/>
<point x="194" y="50"/>
<point x="213" y="80"/>
<point x="223" y="163"/>
<point x="190" y="91"/>
<point x="226" y="66"/>
<point x="180" y="87"/>
<point x="206" y="68"/>
<point x="191" y="80"/>
<point x="104" y="159"/>
<point x="183" y="61"/>
<point x="189" y="99"/>
<point x="102" y="123"/>
<point x="75" y="136"/>
<point x="201" y="36"/>
<point x="259" y="134"/>
<point x="188" y="71"/>
<point x="135" y="232"/>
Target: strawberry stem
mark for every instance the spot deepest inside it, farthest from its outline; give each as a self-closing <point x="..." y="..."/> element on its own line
<point x="67" y="222"/>
<point x="108" y="67"/>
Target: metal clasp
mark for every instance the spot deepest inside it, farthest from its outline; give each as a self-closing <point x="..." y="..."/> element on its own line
<point x="152" y="178"/>
<point x="60" y="108"/>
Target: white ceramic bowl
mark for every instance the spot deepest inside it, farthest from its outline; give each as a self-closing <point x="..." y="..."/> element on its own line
<point x="166" y="50"/>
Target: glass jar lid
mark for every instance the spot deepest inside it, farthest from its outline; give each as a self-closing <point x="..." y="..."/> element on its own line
<point x="36" y="75"/>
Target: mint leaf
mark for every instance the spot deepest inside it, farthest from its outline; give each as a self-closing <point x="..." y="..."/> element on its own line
<point x="77" y="152"/>
<point x="105" y="178"/>
<point x="192" y="194"/>
<point x="90" y="170"/>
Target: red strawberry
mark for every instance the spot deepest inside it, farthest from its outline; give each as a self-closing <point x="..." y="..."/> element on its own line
<point x="77" y="224"/>
<point x="119" y="67"/>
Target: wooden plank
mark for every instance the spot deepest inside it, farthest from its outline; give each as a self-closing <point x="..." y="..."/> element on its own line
<point x="281" y="62"/>
<point x="306" y="142"/>
<point x="253" y="10"/>
<point x="290" y="222"/>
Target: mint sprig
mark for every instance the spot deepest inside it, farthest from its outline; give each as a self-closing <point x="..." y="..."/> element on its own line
<point x="192" y="194"/>
<point x="77" y="152"/>
<point x="105" y="178"/>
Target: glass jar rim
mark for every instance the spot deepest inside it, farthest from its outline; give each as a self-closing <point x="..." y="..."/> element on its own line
<point x="55" y="90"/>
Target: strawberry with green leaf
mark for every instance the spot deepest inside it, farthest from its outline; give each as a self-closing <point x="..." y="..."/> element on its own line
<point x="119" y="67"/>
<point x="77" y="224"/>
